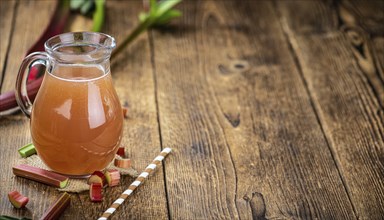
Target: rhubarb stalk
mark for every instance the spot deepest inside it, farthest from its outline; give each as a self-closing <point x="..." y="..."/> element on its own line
<point x="56" y="26"/>
<point x="121" y="152"/>
<point x="113" y="177"/>
<point x="27" y="150"/>
<point x="125" y="112"/>
<point x="17" y="200"/>
<point x="159" y="13"/>
<point x="97" y="177"/>
<point x="57" y="208"/>
<point x="122" y="163"/>
<point x="40" y="175"/>
<point x="8" y="99"/>
<point x="98" y="16"/>
<point x="95" y="192"/>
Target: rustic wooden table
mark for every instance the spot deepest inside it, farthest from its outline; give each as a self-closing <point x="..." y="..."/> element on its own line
<point x="274" y="110"/>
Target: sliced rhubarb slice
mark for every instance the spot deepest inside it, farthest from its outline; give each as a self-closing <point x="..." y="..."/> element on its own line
<point x="57" y="208"/>
<point x="113" y="177"/>
<point x="17" y="200"/>
<point x="123" y="163"/>
<point x="40" y="175"/>
<point x="27" y="150"/>
<point x="95" y="192"/>
<point x="97" y="177"/>
<point x="121" y="152"/>
<point x="125" y="112"/>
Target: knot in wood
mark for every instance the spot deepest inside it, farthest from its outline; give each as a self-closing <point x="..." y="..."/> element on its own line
<point x="239" y="66"/>
<point x="354" y="35"/>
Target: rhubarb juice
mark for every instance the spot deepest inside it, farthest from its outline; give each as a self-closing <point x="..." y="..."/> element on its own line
<point x="76" y="120"/>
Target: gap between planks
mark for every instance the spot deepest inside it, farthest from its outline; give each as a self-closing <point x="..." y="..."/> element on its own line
<point x="152" y="51"/>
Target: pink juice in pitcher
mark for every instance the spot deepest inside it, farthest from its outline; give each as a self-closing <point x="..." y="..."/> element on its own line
<point x="76" y="120"/>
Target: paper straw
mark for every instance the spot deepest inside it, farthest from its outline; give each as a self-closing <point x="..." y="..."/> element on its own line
<point x="139" y="180"/>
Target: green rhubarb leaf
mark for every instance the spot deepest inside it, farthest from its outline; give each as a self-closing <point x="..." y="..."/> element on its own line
<point x="159" y="13"/>
<point x="76" y="4"/>
<point x="165" y="5"/>
<point x="143" y="16"/>
<point x="86" y="7"/>
<point x="168" y="16"/>
<point x="153" y="6"/>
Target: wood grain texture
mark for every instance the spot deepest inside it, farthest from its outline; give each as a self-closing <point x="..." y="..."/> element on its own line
<point x="233" y="105"/>
<point x="133" y="79"/>
<point x="201" y="179"/>
<point x="362" y="24"/>
<point x="28" y="28"/>
<point x="340" y="72"/>
<point x="7" y="10"/>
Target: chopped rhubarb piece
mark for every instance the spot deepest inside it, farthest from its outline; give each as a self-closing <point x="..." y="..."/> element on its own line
<point x="125" y="112"/>
<point x="121" y="152"/>
<point x="113" y="177"/>
<point x="123" y="163"/>
<point x="17" y="200"/>
<point x="95" y="192"/>
<point x="97" y="177"/>
<point x="57" y="208"/>
<point x="27" y="150"/>
<point x="40" y="175"/>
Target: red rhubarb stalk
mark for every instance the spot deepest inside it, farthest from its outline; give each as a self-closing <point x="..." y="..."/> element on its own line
<point x="121" y="152"/>
<point x="17" y="200"/>
<point x="113" y="177"/>
<point x="97" y="177"/>
<point x="122" y="163"/>
<point x="57" y="208"/>
<point x="56" y="26"/>
<point x="8" y="99"/>
<point x="40" y="175"/>
<point x="95" y="192"/>
<point x="125" y="112"/>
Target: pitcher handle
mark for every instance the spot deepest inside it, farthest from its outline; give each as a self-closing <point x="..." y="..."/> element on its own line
<point x="21" y="92"/>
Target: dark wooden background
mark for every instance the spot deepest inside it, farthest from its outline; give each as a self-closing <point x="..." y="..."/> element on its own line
<point x="274" y="110"/>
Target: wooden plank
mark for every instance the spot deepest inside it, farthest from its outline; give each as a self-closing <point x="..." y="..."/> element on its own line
<point x="133" y="79"/>
<point x="233" y="105"/>
<point x="346" y="95"/>
<point x="7" y="9"/>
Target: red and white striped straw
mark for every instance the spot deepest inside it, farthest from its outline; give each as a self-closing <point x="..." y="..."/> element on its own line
<point x="139" y="180"/>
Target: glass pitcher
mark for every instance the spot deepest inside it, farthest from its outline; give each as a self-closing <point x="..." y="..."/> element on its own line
<point x="76" y="119"/>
